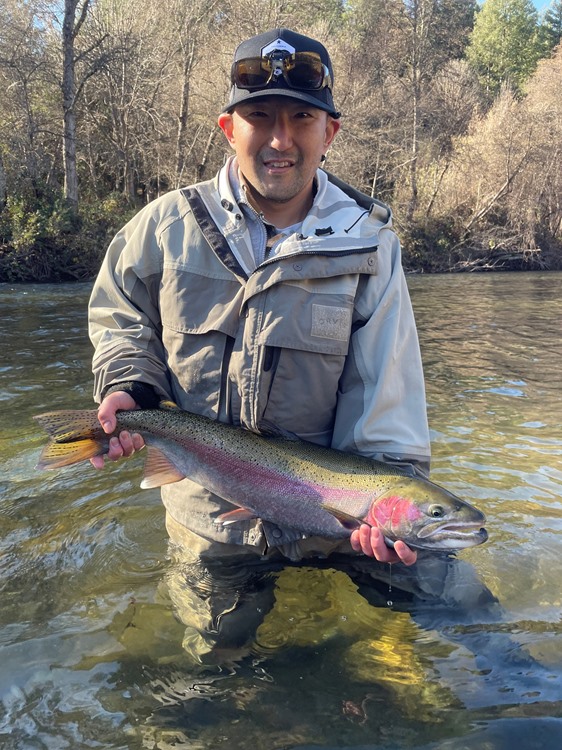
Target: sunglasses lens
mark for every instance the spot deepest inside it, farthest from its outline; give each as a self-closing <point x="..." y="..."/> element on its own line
<point x="306" y="71"/>
<point x="250" y="73"/>
<point x="303" y="70"/>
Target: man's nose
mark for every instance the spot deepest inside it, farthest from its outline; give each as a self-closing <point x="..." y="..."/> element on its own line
<point x="281" y="134"/>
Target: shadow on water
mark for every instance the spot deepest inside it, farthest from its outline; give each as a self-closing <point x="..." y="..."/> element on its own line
<point x="91" y="643"/>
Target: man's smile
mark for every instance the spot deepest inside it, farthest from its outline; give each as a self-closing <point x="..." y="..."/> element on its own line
<point x="275" y="164"/>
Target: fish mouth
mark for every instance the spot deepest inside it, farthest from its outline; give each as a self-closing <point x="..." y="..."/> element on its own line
<point x="454" y="535"/>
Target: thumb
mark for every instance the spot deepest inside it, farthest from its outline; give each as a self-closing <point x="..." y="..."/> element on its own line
<point x="107" y="418"/>
<point x="116" y="401"/>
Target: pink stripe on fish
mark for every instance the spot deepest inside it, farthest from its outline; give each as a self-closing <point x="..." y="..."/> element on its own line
<point x="245" y="472"/>
<point x="254" y="478"/>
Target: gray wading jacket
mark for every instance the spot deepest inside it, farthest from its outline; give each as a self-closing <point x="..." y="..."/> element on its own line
<point x="319" y="339"/>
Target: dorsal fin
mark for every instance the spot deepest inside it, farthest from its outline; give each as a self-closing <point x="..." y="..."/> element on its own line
<point x="270" y="429"/>
<point x="169" y="405"/>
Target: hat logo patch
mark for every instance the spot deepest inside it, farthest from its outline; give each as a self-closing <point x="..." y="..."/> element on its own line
<point x="278" y="44"/>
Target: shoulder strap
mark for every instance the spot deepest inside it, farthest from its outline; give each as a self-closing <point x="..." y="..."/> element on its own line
<point x="211" y="232"/>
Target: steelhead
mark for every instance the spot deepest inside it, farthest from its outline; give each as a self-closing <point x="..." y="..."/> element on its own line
<point x="293" y="483"/>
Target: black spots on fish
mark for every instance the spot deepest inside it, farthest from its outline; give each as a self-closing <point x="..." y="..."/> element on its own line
<point x="74" y="436"/>
<point x="70" y="425"/>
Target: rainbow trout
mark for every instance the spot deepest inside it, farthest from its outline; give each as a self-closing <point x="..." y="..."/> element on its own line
<point x="293" y="483"/>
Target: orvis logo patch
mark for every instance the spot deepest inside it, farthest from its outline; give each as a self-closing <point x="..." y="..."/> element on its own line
<point x="331" y="322"/>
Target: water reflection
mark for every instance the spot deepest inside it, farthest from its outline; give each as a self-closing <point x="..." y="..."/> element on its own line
<point x="91" y="645"/>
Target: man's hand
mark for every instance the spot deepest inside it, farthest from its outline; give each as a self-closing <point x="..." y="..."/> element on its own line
<point x="126" y="443"/>
<point x="370" y="541"/>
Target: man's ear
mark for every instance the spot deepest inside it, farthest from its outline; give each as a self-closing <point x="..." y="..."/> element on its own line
<point x="226" y="125"/>
<point x="332" y="127"/>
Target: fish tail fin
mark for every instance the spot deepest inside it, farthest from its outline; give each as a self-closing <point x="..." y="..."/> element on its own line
<point x="75" y="436"/>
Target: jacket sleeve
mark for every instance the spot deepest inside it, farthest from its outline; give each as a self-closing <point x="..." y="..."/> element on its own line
<point x="381" y="410"/>
<point x="123" y="315"/>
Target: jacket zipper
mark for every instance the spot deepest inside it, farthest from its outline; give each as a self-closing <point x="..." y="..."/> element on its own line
<point x="325" y="253"/>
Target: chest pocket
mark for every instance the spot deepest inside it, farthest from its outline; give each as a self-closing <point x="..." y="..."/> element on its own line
<point x="200" y="319"/>
<point x="305" y="335"/>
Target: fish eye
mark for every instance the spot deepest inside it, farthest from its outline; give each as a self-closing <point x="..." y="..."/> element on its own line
<point x="436" y="511"/>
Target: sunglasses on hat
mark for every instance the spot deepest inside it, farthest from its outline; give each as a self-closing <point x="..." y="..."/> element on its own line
<point x="299" y="70"/>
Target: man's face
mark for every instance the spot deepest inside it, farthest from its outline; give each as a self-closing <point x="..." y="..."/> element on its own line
<point x="279" y="143"/>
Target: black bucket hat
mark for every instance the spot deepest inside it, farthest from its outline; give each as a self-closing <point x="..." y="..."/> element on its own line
<point x="278" y="75"/>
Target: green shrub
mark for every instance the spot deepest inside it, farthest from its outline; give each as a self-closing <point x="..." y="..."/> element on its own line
<point x="431" y="245"/>
<point x="47" y="242"/>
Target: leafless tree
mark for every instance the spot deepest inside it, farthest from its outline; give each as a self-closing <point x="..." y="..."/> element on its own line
<point x="24" y="120"/>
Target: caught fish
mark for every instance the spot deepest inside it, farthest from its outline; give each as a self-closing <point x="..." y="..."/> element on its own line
<point x="290" y="482"/>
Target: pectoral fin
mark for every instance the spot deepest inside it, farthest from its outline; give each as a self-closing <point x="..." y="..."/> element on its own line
<point x="346" y="519"/>
<point x="158" y="470"/>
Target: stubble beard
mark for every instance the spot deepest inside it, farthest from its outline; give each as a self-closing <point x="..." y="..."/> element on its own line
<point x="281" y="193"/>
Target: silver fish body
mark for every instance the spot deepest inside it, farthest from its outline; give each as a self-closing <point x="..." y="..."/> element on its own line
<point x="317" y="490"/>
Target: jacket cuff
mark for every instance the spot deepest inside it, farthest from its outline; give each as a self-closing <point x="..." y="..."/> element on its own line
<point x="142" y="393"/>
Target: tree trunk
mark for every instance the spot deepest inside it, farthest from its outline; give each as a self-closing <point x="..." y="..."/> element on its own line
<point x="3" y="188"/>
<point x="413" y="202"/>
<point x="182" y="116"/>
<point x="202" y="166"/>
<point x="70" y="28"/>
<point x="68" y="101"/>
<point x="69" y="159"/>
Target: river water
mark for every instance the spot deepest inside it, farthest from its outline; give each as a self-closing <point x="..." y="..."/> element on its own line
<point x="91" y="648"/>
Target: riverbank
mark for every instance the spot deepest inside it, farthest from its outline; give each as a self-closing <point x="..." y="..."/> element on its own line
<point x="77" y="257"/>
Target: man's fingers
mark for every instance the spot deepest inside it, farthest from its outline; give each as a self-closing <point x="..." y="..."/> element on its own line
<point x="355" y="541"/>
<point x="370" y="541"/>
<point x="119" y="447"/>
<point x="126" y="443"/>
<point x="115" y="450"/>
<point x="407" y="555"/>
<point x="378" y="546"/>
<point x="138" y="441"/>
<point x="362" y="540"/>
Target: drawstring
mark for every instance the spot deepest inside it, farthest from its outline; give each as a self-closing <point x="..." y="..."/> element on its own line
<point x="355" y="222"/>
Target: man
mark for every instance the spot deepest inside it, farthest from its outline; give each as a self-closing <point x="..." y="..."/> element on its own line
<point x="271" y="294"/>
